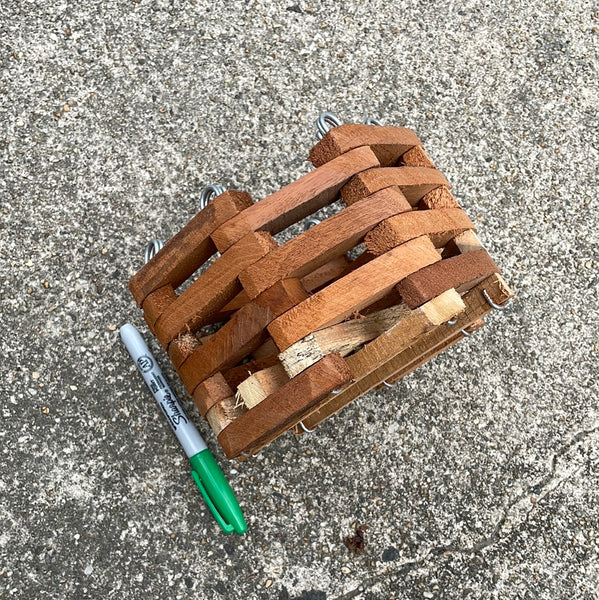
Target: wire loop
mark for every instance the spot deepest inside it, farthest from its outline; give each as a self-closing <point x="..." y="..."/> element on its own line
<point x="208" y="193"/>
<point x="152" y="248"/>
<point x="325" y="122"/>
<point x="306" y="429"/>
<point x="493" y="304"/>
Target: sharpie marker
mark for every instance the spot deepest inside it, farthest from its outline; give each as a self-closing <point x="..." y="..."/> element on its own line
<point x="204" y="470"/>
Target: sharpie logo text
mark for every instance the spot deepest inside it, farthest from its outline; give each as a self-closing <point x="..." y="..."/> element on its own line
<point x="172" y="410"/>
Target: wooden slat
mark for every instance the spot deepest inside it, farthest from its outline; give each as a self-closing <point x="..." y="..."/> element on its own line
<point x="440" y="225"/>
<point x="376" y="370"/>
<point x="231" y="343"/>
<point x="342" y="338"/>
<point x="213" y="288"/>
<point x="416" y="157"/>
<point x="285" y="407"/>
<point x="387" y="143"/>
<point x="462" y="272"/>
<point x="223" y="413"/>
<point x="209" y="392"/>
<point x="464" y="242"/>
<point x="414" y="182"/>
<point x="242" y="334"/>
<point x="320" y="244"/>
<point x="353" y="292"/>
<point x="258" y="386"/>
<point x="297" y="200"/>
<point x="440" y="197"/>
<point x="236" y="375"/>
<point x="189" y="249"/>
<point x="325" y="274"/>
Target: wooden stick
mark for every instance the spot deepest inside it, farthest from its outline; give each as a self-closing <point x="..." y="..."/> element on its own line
<point x="462" y="272"/>
<point x="342" y="338"/>
<point x="285" y="407"/>
<point x="353" y="292"/>
<point x="414" y="182"/>
<point x="369" y="371"/>
<point x="230" y="344"/>
<point x="209" y="392"/>
<point x="260" y="385"/>
<point x="325" y="274"/>
<point x="213" y="288"/>
<point x="440" y="225"/>
<point x="440" y="197"/>
<point x="297" y="200"/>
<point x="216" y="402"/>
<point x="387" y="143"/>
<point x="416" y="157"/>
<point x="464" y="242"/>
<point x="189" y="249"/>
<point x="320" y="244"/>
<point x="240" y="336"/>
<point x="240" y="373"/>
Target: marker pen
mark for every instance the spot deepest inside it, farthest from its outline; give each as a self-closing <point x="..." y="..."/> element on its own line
<point x="204" y="470"/>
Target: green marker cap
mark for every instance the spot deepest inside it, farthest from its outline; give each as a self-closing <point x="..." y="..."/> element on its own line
<point x="217" y="492"/>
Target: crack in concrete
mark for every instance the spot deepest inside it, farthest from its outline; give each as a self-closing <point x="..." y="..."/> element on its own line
<point x="546" y="486"/>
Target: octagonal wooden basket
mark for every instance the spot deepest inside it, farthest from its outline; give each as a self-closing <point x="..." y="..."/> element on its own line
<point x="303" y="329"/>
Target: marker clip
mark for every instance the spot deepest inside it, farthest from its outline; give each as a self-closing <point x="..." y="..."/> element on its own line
<point x="226" y="527"/>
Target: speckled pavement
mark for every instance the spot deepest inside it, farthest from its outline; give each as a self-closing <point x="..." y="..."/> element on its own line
<point x="477" y="475"/>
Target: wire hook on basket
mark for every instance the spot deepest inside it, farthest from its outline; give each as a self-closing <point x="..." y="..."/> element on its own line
<point x="209" y="192"/>
<point x="493" y="304"/>
<point x="152" y="248"/>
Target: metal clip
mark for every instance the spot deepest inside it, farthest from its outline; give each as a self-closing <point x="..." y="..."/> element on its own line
<point x="209" y="192"/>
<point x="494" y="304"/>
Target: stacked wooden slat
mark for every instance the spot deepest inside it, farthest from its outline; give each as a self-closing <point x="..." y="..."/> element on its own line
<point x="305" y="329"/>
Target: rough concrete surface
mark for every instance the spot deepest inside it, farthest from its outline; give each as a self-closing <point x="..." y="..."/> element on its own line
<point x="477" y="475"/>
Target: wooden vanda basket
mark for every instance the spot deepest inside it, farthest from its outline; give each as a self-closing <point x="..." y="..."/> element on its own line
<point x="304" y="328"/>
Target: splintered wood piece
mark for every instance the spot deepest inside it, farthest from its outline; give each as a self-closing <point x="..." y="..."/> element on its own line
<point x="260" y="385"/>
<point x="182" y="347"/>
<point x="462" y="272"/>
<point x="414" y="182"/>
<point x="416" y="157"/>
<point x="213" y="288"/>
<point x="464" y="242"/>
<point x="240" y="373"/>
<point x="189" y="249"/>
<point x="231" y="343"/>
<point x="353" y="292"/>
<point x="440" y="197"/>
<point x="224" y="413"/>
<point x="323" y="275"/>
<point x="242" y="334"/>
<point x="210" y="392"/>
<point x="440" y="225"/>
<point x="342" y="338"/>
<point x="318" y="245"/>
<point x="285" y="407"/>
<point x="297" y="200"/>
<point x="387" y="143"/>
<point x="412" y="355"/>
<point x="157" y="302"/>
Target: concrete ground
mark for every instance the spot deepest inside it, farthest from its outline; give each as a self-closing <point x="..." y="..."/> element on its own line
<point x="477" y="476"/>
